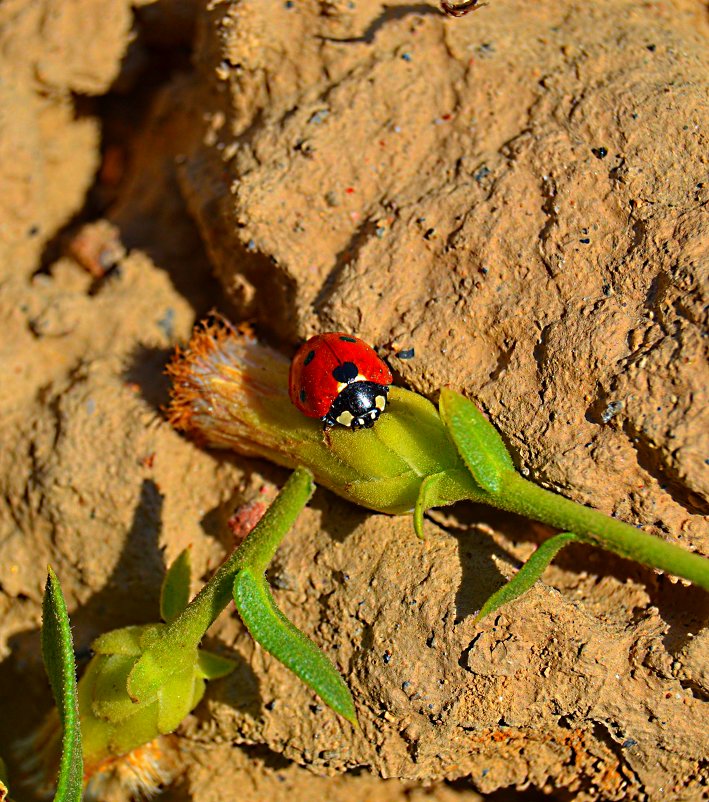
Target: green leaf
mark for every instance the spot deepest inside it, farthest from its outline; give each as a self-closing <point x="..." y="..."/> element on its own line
<point x="58" y="655"/>
<point x="528" y="574"/>
<point x="269" y="627"/>
<point x="214" y="666"/>
<point x="477" y="440"/>
<point x="175" y="591"/>
<point x="442" y="489"/>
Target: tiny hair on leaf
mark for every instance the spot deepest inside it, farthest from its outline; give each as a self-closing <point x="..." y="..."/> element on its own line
<point x="58" y="656"/>
<point x="278" y="636"/>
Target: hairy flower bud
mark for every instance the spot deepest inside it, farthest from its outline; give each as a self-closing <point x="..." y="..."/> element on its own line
<point x="230" y="391"/>
<point x="112" y="721"/>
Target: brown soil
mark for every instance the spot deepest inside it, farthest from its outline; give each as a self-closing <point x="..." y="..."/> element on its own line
<point x="521" y="197"/>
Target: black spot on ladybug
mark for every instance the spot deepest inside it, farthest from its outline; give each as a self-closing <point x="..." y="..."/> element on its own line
<point x="309" y="358"/>
<point x="303" y="394"/>
<point x="348" y="339"/>
<point x="345" y="372"/>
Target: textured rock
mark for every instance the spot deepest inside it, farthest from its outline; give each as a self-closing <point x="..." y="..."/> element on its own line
<point x="520" y="197"/>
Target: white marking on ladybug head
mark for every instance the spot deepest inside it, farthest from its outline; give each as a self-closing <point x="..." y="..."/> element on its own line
<point x="380" y="402"/>
<point x="373" y="413"/>
<point x="345" y="418"/>
<point x="358" y="378"/>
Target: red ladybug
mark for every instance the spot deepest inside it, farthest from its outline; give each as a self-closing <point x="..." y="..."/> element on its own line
<point x="340" y="379"/>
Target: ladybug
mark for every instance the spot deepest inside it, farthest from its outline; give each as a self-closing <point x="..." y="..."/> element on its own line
<point x="340" y="379"/>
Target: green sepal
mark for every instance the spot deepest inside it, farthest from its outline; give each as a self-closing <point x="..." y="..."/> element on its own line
<point x="175" y="590"/>
<point x="199" y="687"/>
<point x="278" y="636"/>
<point x="119" y="641"/>
<point x="528" y="574"/>
<point x="442" y="489"/>
<point x="155" y="667"/>
<point x="477" y="440"/>
<point x="138" y="730"/>
<point x="214" y="666"/>
<point x="58" y="656"/>
<point x="110" y="698"/>
<point x="175" y="699"/>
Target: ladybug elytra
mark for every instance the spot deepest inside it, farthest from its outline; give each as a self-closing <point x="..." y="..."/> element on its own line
<point x="340" y="379"/>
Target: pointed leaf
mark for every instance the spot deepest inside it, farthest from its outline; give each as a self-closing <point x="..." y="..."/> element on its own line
<point x="477" y="440"/>
<point x="442" y="489"/>
<point x="214" y="666"/>
<point x="528" y="574"/>
<point x="269" y="627"/>
<point x="175" y="591"/>
<point x="58" y="655"/>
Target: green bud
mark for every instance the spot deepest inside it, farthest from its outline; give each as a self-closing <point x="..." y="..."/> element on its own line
<point x="113" y="722"/>
<point x="230" y="391"/>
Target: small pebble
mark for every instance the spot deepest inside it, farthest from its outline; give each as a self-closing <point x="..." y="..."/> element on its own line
<point x="406" y="353"/>
<point x="317" y="117"/>
<point x="166" y="323"/>
<point x="482" y="173"/>
<point x="611" y="410"/>
<point x="599" y="153"/>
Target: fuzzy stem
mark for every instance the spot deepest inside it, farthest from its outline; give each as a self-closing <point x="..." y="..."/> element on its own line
<point x="525" y="498"/>
<point x="255" y="552"/>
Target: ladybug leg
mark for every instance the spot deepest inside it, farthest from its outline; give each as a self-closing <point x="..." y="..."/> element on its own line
<point x="328" y="421"/>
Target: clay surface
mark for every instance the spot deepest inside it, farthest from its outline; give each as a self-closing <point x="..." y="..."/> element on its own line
<point x="520" y="196"/>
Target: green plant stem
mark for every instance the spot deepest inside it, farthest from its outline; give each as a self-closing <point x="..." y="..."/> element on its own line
<point x="255" y="552"/>
<point x="525" y="498"/>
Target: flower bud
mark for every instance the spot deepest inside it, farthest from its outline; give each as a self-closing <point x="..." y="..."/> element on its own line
<point x="230" y="391"/>
<point x="123" y="738"/>
<point x="112" y="722"/>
